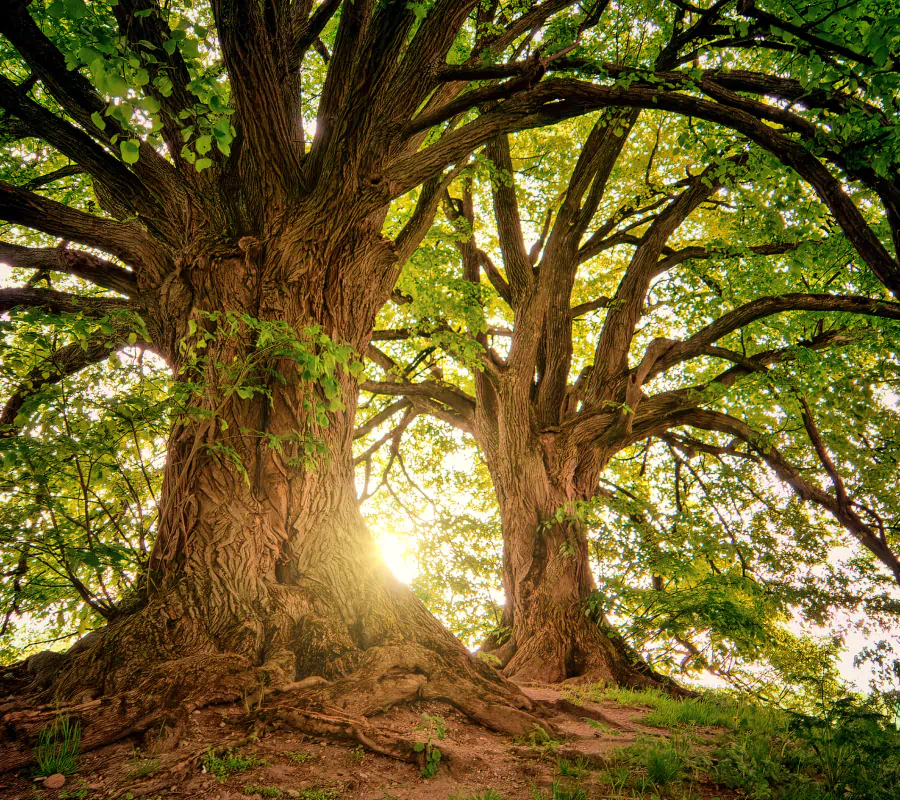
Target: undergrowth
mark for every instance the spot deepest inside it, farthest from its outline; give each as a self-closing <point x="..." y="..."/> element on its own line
<point x="848" y="749"/>
<point x="58" y="747"/>
<point x="228" y="764"/>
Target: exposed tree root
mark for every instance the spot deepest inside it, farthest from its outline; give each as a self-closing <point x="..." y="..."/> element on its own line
<point x="580" y="652"/>
<point x="388" y="676"/>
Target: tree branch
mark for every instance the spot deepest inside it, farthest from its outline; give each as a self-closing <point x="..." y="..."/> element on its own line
<point x="61" y="302"/>
<point x="844" y="513"/>
<point x="768" y="306"/>
<point x="63" y="363"/>
<point x="83" y="265"/>
<point x="125" y="240"/>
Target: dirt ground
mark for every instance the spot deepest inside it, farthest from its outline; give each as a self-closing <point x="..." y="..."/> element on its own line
<point x="281" y="763"/>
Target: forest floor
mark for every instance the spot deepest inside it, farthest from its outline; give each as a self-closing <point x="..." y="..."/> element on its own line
<point x="605" y="747"/>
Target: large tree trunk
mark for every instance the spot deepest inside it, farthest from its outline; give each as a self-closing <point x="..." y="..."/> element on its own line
<point x="548" y="634"/>
<point x="263" y="573"/>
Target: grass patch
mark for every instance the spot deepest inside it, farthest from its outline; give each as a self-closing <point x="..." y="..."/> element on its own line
<point x="58" y="747"/>
<point x="143" y="768"/>
<point x="572" y="769"/>
<point x="263" y="791"/>
<point x="706" y="711"/>
<point x="319" y="794"/>
<point x="228" y="764"/>
<point x="297" y="756"/>
<point x="562" y="791"/>
<point x="485" y="794"/>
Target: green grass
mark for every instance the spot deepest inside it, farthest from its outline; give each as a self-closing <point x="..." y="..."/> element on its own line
<point x="319" y="794"/>
<point x="572" y="769"/>
<point x="228" y="764"/>
<point x="143" y="768"/>
<point x="297" y="756"/>
<point x="664" y="765"/>
<point x="706" y="711"/>
<point x="263" y="791"/>
<point x="485" y="794"/>
<point x="276" y="792"/>
<point x="562" y="791"/>
<point x="58" y="747"/>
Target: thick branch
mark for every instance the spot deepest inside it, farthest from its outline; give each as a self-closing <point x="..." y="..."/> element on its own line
<point x="60" y="302"/>
<point x="125" y="240"/>
<point x="768" y="306"/>
<point x="83" y="265"/>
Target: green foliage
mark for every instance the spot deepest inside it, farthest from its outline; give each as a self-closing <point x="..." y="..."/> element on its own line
<point x="572" y="769"/>
<point x="297" y="756"/>
<point x="263" y="791"/>
<point x="58" y="747"/>
<point x="435" y="729"/>
<point x="228" y="763"/>
<point x="561" y="791"/>
<point x="143" y="768"/>
<point x="358" y="754"/>
<point x="319" y="794"/>
<point x="664" y="765"/>
<point x="539" y="740"/>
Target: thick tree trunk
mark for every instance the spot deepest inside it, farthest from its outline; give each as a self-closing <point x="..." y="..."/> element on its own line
<point x="548" y="634"/>
<point x="263" y="573"/>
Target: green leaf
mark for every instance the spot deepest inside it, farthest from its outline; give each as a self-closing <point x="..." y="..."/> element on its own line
<point x="130" y="149"/>
<point x="98" y="121"/>
<point x="116" y="84"/>
<point x="202" y="164"/>
<point x="203" y="144"/>
<point x="76" y="9"/>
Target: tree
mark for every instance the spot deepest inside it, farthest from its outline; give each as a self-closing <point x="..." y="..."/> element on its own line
<point x="549" y="418"/>
<point x="252" y="254"/>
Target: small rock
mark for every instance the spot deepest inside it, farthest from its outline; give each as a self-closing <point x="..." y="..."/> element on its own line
<point x="56" y="781"/>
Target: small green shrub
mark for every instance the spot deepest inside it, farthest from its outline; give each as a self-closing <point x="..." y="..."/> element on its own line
<point x="297" y="756"/>
<point x="357" y="754"/>
<point x="228" y="764"/>
<point x="561" y="791"/>
<point x="58" y="746"/>
<point x="539" y="739"/>
<point x="435" y="728"/>
<point x="143" y="768"/>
